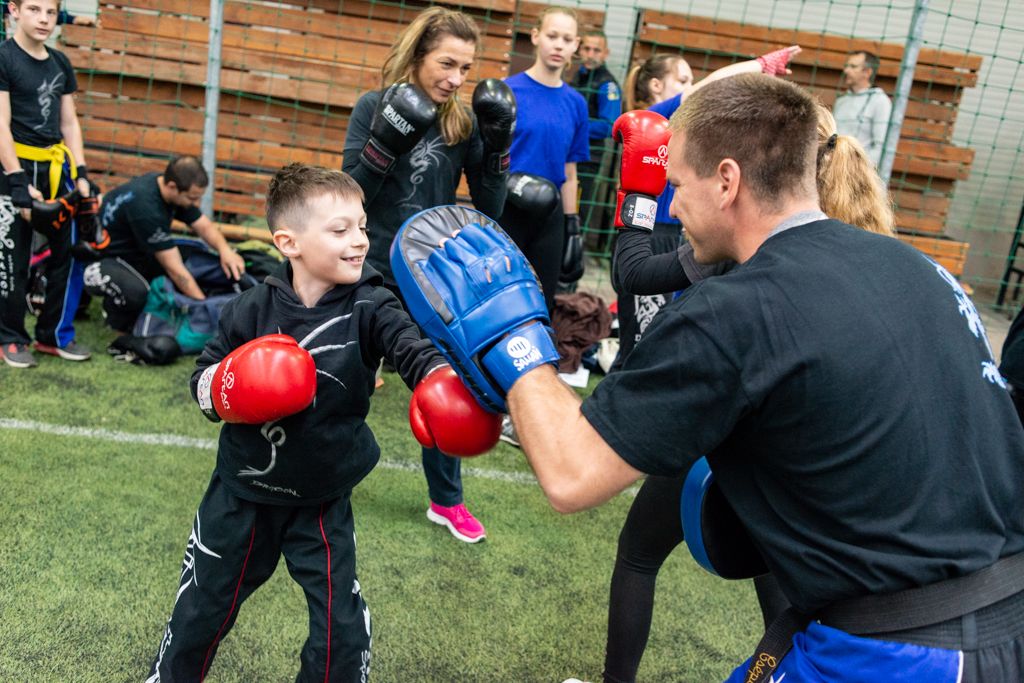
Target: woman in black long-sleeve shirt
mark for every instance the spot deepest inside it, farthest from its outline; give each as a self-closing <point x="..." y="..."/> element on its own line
<point x="435" y="53"/>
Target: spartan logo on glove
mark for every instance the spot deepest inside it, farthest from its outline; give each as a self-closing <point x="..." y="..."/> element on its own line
<point x="397" y="120"/>
<point x="522" y="352"/>
<point x="660" y="160"/>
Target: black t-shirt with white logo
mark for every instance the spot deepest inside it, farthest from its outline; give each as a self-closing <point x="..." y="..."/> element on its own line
<point x="842" y="387"/>
<point x="35" y="87"/>
<point x="138" y="221"/>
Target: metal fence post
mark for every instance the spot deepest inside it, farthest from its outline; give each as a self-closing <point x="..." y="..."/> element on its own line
<point x="903" y="85"/>
<point x="212" y="108"/>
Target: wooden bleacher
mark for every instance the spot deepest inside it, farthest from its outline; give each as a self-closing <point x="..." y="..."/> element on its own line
<point x="290" y="76"/>
<point x="927" y="163"/>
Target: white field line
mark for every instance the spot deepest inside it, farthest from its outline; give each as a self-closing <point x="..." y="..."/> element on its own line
<point x="179" y="441"/>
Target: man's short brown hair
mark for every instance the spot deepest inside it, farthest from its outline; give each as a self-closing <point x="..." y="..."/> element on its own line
<point x="296" y="184"/>
<point x="766" y="124"/>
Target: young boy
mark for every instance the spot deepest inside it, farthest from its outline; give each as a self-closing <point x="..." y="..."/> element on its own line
<point x="42" y="157"/>
<point x="285" y="471"/>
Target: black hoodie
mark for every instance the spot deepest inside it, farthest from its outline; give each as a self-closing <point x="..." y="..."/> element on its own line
<point x="326" y="449"/>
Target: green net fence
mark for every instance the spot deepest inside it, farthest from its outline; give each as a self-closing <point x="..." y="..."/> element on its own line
<point x="291" y="70"/>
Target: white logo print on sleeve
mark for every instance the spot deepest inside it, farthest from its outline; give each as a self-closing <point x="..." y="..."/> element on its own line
<point x="989" y="370"/>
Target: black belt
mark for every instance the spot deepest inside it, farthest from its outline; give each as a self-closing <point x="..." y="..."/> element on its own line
<point x="900" y="611"/>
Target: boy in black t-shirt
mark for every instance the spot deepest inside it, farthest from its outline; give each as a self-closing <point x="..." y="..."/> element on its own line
<point x="137" y="219"/>
<point x="42" y="156"/>
<point x="283" y="478"/>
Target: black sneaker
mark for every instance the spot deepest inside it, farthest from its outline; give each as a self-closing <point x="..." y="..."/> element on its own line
<point x="73" y="351"/>
<point x="18" y="355"/>
<point x="508" y="432"/>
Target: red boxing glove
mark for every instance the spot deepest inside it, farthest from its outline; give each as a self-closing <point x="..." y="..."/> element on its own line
<point x="443" y="414"/>
<point x="775" y="63"/>
<point x="644" y="136"/>
<point x="262" y="380"/>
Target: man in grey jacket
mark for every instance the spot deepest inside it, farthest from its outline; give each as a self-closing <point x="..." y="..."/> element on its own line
<point x="863" y="110"/>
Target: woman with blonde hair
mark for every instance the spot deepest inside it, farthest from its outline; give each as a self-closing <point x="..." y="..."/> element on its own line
<point x="407" y="146"/>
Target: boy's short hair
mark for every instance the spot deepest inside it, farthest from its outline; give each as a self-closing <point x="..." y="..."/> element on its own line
<point x="295" y="184"/>
<point x="186" y="172"/>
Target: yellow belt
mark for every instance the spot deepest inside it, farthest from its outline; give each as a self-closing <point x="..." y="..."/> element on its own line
<point x="55" y="154"/>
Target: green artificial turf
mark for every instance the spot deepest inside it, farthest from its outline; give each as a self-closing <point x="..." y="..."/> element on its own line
<point x="92" y="532"/>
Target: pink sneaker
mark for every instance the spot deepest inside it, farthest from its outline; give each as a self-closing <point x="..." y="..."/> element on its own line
<point x="463" y="525"/>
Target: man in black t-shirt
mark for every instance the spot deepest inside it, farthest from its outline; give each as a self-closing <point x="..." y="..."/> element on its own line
<point x="137" y="219"/>
<point x="844" y="393"/>
<point x="42" y="156"/>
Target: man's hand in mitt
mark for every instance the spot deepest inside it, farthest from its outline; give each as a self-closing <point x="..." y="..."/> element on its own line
<point x="475" y="295"/>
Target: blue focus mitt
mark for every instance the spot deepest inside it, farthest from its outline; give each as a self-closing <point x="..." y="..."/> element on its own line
<point x="473" y="292"/>
<point x="713" y="532"/>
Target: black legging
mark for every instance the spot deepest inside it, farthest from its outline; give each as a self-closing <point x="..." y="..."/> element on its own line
<point x="541" y="238"/>
<point x="652" y="530"/>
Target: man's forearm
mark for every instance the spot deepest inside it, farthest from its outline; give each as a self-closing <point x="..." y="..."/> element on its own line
<point x="575" y="467"/>
<point x="210" y="234"/>
<point x="187" y="285"/>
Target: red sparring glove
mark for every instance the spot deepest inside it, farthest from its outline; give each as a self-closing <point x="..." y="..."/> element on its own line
<point x="262" y="380"/>
<point x="775" y="63"/>
<point x="644" y="136"/>
<point x="443" y="414"/>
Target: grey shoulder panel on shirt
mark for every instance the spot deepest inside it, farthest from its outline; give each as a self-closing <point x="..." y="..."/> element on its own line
<point x="699" y="271"/>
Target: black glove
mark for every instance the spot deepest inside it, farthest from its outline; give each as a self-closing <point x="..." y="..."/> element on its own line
<point x="404" y="115"/>
<point x="155" y="350"/>
<point x="572" y="256"/>
<point x="17" y="186"/>
<point x="532" y="194"/>
<point x="89" y="228"/>
<point x="495" y="107"/>
<point x="52" y="218"/>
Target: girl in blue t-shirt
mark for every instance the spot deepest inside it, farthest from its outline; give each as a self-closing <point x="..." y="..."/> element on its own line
<point x="551" y="137"/>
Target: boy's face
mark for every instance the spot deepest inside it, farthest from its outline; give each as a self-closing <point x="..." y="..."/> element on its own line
<point x="36" y="18"/>
<point x="331" y="246"/>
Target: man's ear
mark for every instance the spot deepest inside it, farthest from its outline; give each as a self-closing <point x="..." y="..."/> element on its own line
<point x="729" y="176"/>
<point x="284" y="240"/>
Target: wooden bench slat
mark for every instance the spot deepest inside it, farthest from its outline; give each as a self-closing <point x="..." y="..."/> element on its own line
<point x="819" y="59"/>
<point x="359" y="49"/>
<point x="494" y="20"/>
<point x="809" y="75"/>
<point x="319" y="115"/>
<point x="808" y="39"/>
<point x="228" y="125"/>
<point x="259" y="155"/>
<point x="950" y="254"/>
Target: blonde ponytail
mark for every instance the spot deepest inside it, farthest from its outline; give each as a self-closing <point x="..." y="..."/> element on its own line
<point x="849" y="188"/>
